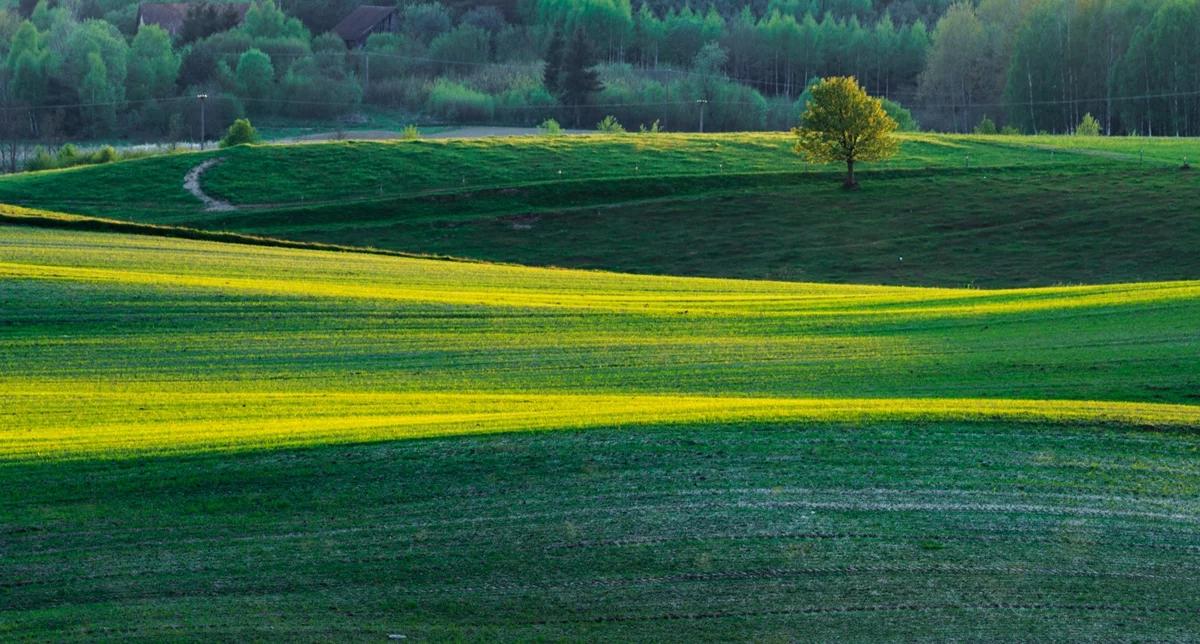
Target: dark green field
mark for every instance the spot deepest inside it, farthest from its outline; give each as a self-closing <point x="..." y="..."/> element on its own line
<point x="206" y="441"/>
<point x="767" y="532"/>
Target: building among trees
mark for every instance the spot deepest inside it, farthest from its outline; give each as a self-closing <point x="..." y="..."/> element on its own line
<point x="364" y="21"/>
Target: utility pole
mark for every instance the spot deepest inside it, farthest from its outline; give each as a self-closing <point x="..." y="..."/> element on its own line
<point x="702" y="102"/>
<point x="202" y="98"/>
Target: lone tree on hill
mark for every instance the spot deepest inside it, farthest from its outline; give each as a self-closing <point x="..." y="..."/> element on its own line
<point x="844" y="123"/>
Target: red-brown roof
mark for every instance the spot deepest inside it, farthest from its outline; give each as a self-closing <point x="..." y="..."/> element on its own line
<point x="361" y="21"/>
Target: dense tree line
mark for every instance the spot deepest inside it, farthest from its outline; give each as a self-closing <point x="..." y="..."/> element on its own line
<point x="82" y="68"/>
<point x="1042" y="65"/>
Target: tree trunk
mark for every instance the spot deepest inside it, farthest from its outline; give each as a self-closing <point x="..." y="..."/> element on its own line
<point x="851" y="183"/>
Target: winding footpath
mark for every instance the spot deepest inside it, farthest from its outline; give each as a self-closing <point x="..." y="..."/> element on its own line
<point x="191" y="183"/>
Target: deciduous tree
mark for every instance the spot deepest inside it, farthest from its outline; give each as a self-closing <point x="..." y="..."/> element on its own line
<point x="255" y="76"/>
<point x="843" y="123"/>
<point x="153" y="65"/>
<point x="955" y="72"/>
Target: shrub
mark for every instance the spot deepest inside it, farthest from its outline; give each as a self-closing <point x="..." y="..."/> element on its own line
<point x="456" y="102"/>
<point x="42" y="160"/>
<point x="526" y="104"/>
<point x="902" y="116"/>
<point x="731" y="108"/>
<point x="411" y="92"/>
<point x="410" y="133"/>
<point x="610" y="125"/>
<point x="1009" y="130"/>
<point x="1089" y="126"/>
<point x="654" y="128"/>
<point x="497" y="79"/>
<point x="986" y="127"/>
<point x="550" y="127"/>
<point x="635" y="98"/>
<point x="106" y="154"/>
<point x="240" y="132"/>
<point x="67" y="155"/>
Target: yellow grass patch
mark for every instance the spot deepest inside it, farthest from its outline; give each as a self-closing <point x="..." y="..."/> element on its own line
<point x="54" y="425"/>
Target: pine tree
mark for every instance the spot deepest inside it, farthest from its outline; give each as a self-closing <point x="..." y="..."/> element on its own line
<point x="554" y="61"/>
<point x="1089" y="126"/>
<point x="578" y="79"/>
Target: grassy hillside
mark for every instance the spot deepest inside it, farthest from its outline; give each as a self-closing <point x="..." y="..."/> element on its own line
<point x="949" y="211"/>
<point x="201" y="441"/>
<point x="342" y="172"/>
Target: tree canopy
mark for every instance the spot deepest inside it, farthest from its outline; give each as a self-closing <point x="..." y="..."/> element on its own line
<point x="844" y="123"/>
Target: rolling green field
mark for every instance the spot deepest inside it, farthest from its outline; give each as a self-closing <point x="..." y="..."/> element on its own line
<point x="960" y="403"/>
<point x="949" y="211"/>
<point x="222" y="441"/>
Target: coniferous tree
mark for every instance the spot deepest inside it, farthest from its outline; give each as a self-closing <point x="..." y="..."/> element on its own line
<point x="578" y="79"/>
<point x="554" y="60"/>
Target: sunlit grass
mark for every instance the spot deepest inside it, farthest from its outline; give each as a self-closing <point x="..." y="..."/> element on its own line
<point x="117" y="345"/>
<point x="136" y="423"/>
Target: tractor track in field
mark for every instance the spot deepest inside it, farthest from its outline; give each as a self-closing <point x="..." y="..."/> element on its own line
<point x="1027" y="535"/>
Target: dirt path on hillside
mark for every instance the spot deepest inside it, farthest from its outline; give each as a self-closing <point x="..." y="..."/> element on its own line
<point x="191" y="183"/>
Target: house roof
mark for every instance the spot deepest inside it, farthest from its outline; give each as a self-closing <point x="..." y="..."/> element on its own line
<point x="361" y="21"/>
<point x="170" y="15"/>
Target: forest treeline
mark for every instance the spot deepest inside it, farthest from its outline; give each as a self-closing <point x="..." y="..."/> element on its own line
<point x="84" y="69"/>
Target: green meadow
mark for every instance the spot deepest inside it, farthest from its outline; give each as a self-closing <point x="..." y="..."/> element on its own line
<point x="758" y="423"/>
<point x="948" y="211"/>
